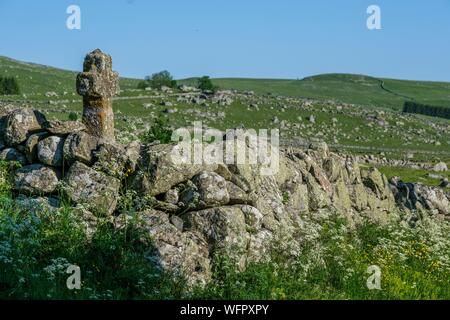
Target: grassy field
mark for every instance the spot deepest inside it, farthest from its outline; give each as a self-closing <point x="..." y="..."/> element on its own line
<point x="415" y="175"/>
<point x="35" y="79"/>
<point x="346" y="88"/>
<point x="353" y="128"/>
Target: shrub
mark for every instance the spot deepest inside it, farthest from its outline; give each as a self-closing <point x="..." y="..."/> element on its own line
<point x="37" y="247"/>
<point x="142" y="85"/>
<point x="6" y="169"/>
<point x="205" y="85"/>
<point x="160" y="131"/>
<point x="9" y="86"/>
<point x="331" y="263"/>
<point x="158" y="80"/>
<point x="73" y="116"/>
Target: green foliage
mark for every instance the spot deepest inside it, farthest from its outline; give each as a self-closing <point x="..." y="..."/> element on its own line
<point x="333" y="263"/>
<point x="158" y="80"/>
<point x="36" y="249"/>
<point x="9" y="86"/>
<point x="205" y="84"/>
<point x="286" y="197"/>
<point x="142" y="85"/>
<point x="6" y="170"/>
<point x="37" y="246"/>
<point x="73" y="116"/>
<point x="433" y="111"/>
<point x="160" y="131"/>
<point x="414" y="175"/>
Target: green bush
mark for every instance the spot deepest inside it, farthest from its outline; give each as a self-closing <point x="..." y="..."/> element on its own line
<point x="37" y="248"/>
<point x="6" y="169"/>
<point x="160" y="131"/>
<point x="142" y="85"/>
<point x="73" y="116"/>
<point x="9" y="86"/>
<point x="205" y="85"/>
<point x="331" y="263"/>
<point x="158" y="80"/>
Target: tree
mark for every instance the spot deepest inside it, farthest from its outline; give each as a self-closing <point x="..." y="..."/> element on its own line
<point x="433" y="111"/>
<point x="158" y="80"/>
<point x="205" y="84"/>
<point x="142" y="85"/>
<point x="9" y="86"/>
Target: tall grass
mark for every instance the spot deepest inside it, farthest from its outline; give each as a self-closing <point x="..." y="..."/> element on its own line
<point x="414" y="264"/>
<point x="37" y="246"/>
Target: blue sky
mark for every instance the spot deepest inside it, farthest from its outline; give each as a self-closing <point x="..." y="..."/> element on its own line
<point x="235" y="38"/>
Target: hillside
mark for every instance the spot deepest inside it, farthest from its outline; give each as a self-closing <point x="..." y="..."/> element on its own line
<point x="347" y="88"/>
<point x="373" y="125"/>
<point x="37" y="79"/>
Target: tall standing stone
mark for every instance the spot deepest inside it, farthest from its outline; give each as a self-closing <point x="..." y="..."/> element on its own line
<point x="98" y="84"/>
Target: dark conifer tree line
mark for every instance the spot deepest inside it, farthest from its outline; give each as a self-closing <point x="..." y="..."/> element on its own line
<point x="419" y="108"/>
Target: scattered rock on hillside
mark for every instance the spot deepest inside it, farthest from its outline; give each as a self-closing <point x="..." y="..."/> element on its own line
<point x="440" y="167"/>
<point x="116" y="160"/>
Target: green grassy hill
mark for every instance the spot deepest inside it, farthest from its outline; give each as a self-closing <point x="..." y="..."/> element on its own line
<point x="36" y="79"/>
<point x="362" y="128"/>
<point x="348" y="88"/>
